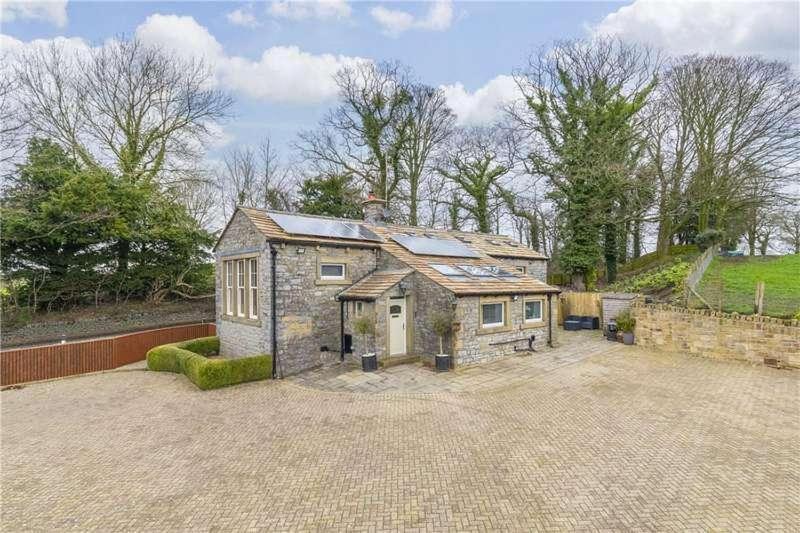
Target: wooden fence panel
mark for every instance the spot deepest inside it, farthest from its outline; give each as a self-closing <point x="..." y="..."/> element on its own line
<point x="21" y="365"/>
<point x="581" y="304"/>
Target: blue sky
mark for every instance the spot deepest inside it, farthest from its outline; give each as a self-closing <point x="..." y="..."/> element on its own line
<point x="276" y="59"/>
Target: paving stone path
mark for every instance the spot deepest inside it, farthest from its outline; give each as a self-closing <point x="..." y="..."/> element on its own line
<point x="589" y="436"/>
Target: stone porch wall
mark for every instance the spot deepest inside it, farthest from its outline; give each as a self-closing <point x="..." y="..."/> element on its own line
<point x="425" y="298"/>
<point x="473" y="345"/>
<point x="717" y="335"/>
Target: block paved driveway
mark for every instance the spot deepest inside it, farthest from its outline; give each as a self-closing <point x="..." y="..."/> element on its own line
<point x="591" y="435"/>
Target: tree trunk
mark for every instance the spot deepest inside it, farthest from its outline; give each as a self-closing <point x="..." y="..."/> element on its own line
<point x="123" y="253"/>
<point x="610" y="238"/>
<point x="637" y="238"/>
<point x="413" y="201"/>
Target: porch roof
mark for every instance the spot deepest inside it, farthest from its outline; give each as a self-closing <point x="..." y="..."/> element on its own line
<point x="373" y="285"/>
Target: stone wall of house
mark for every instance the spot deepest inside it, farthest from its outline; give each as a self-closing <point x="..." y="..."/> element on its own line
<point x="240" y="337"/>
<point x="429" y="300"/>
<point x="307" y="309"/>
<point x="614" y="303"/>
<point x="533" y="267"/>
<point x="472" y="344"/>
<point x="717" y="335"/>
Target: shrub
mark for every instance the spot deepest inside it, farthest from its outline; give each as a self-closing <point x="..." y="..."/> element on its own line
<point x="364" y="325"/>
<point x="625" y="322"/>
<point x="442" y="324"/>
<point x="203" y="345"/>
<point x="189" y="358"/>
<point x="708" y="238"/>
<point x="667" y="276"/>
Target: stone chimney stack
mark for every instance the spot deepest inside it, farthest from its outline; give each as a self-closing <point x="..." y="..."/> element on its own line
<point x="374" y="209"/>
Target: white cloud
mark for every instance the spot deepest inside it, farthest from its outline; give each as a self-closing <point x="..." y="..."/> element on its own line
<point x="52" y="11"/>
<point x="681" y="27"/>
<point x="484" y="105"/>
<point x="181" y="35"/>
<point x="319" y="9"/>
<point x="394" y="21"/>
<point x="282" y="73"/>
<point x="241" y="17"/>
<point x="285" y="74"/>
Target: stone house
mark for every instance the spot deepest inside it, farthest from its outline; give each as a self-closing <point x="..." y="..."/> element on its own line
<point x="292" y="285"/>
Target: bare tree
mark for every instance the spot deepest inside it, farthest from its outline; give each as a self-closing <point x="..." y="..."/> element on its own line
<point x="476" y="159"/>
<point x="135" y="109"/>
<point x="789" y="226"/>
<point x="429" y="123"/>
<point x="364" y="135"/>
<point x="254" y="177"/>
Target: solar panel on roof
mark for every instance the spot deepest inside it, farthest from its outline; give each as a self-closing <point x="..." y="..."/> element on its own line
<point x="451" y="272"/>
<point x="320" y="227"/>
<point x="477" y="271"/>
<point x="428" y="246"/>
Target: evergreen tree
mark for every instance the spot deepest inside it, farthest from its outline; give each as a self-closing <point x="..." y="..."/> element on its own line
<point x="331" y="195"/>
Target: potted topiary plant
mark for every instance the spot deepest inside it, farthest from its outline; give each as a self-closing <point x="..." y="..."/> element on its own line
<point x="626" y="324"/>
<point x="442" y="325"/>
<point x="364" y="327"/>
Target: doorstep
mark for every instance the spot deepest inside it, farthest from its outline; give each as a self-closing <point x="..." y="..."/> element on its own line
<point x="388" y="362"/>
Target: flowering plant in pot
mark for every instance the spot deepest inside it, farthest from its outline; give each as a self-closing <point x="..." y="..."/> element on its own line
<point x="442" y="325"/>
<point x="626" y="324"/>
<point x="364" y="327"/>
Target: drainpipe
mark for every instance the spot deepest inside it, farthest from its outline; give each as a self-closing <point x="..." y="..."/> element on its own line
<point x="341" y="330"/>
<point x="273" y="252"/>
<point x="549" y="320"/>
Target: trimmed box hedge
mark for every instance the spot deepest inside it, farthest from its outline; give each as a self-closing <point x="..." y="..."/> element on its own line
<point x="191" y="359"/>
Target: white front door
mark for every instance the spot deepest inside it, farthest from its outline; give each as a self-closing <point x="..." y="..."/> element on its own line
<point x="397" y="326"/>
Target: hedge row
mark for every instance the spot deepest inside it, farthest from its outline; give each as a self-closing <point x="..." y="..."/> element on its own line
<point x="190" y="358"/>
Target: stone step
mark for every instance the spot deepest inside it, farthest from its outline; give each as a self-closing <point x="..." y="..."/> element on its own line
<point x="388" y="362"/>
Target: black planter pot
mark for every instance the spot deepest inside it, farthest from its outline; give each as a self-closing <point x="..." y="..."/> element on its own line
<point x="443" y="362"/>
<point x="369" y="362"/>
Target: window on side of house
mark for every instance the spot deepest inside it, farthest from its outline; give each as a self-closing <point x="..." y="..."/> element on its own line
<point x="331" y="271"/>
<point x="240" y="286"/>
<point x="493" y="315"/>
<point x="359" y="308"/>
<point x="229" y="287"/>
<point x="254" y="289"/>
<point x="533" y="311"/>
<point x="522" y="270"/>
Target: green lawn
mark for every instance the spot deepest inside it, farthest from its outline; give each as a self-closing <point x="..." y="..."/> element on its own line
<point x="733" y="280"/>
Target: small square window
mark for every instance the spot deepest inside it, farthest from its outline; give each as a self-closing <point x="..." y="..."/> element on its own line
<point x="331" y="271"/>
<point x="533" y="311"/>
<point x="493" y="315"/>
<point x="521" y="269"/>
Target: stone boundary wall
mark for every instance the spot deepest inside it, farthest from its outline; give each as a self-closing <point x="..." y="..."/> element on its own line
<point x="717" y="335"/>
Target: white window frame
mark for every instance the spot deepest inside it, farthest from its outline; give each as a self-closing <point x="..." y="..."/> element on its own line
<point x="340" y="277"/>
<point x="253" y="278"/>
<point x="525" y="310"/>
<point x="241" y="286"/>
<point x="228" y="288"/>
<point x="492" y="325"/>
<point x="359" y="308"/>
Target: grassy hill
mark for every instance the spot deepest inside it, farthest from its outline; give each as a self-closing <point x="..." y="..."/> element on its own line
<point x="731" y="282"/>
